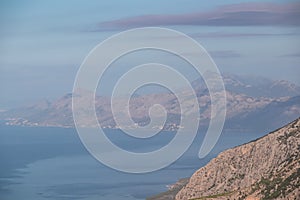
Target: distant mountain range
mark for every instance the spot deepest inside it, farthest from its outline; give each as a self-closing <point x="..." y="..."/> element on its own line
<point x="252" y="103"/>
<point x="253" y="86"/>
<point x="267" y="168"/>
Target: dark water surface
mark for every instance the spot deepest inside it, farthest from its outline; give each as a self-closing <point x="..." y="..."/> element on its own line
<point x="51" y="163"/>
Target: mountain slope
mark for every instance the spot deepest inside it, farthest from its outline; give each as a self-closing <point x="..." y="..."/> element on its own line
<point x="268" y="168"/>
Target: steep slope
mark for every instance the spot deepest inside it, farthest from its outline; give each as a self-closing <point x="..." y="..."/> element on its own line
<point x="268" y="168"/>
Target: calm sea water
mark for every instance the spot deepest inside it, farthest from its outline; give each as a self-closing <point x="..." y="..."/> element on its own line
<point x="51" y="163"/>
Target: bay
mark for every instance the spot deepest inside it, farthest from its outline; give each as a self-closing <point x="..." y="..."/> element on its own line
<point x="52" y="163"/>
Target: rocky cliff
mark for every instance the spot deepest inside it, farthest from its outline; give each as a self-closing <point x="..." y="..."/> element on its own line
<point x="268" y="168"/>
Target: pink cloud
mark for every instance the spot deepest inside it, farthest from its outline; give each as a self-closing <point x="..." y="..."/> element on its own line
<point x="243" y="14"/>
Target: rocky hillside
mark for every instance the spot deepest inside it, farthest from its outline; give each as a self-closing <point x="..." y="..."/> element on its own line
<point x="268" y="168"/>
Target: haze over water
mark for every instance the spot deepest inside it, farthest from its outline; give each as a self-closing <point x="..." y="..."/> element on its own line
<point x="51" y="163"/>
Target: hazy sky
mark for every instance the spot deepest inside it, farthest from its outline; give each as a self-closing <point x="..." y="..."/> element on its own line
<point x="42" y="43"/>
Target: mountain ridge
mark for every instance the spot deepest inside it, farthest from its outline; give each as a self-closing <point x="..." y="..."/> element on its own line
<point x="242" y="108"/>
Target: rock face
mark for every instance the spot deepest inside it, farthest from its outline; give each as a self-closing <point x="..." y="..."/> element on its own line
<point x="268" y="168"/>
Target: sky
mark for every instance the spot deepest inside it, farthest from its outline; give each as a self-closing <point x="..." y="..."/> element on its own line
<point x="43" y="43"/>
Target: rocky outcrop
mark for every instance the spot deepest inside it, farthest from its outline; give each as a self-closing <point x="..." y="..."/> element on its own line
<point x="268" y="168"/>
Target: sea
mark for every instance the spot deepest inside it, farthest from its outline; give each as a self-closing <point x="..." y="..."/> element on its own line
<point x="48" y="163"/>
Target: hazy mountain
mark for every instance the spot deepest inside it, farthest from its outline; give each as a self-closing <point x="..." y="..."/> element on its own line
<point x="243" y="109"/>
<point x="268" y="168"/>
<point x="253" y="86"/>
<point x="273" y="115"/>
